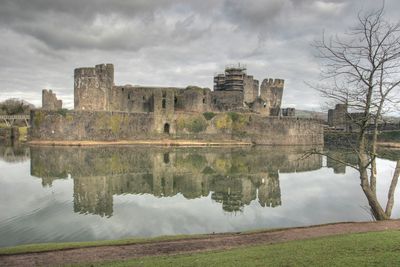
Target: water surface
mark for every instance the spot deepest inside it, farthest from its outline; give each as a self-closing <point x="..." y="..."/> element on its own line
<point x="59" y="194"/>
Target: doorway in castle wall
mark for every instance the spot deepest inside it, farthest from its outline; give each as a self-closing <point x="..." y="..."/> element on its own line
<point x="166" y="128"/>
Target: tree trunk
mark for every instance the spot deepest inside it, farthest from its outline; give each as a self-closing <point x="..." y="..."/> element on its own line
<point x="392" y="188"/>
<point x="376" y="209"/>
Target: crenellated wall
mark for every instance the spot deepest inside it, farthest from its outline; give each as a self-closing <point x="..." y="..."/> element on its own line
<point x="50" y="101"/>
<point x="111" y="126"/>
<point x="272" y="90"/>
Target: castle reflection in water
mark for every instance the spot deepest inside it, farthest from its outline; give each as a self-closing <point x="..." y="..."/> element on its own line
<point x="233" y="176"/>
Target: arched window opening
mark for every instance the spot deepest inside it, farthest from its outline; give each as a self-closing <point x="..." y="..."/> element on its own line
<point x="166" y="128"/>
<point x="166" y="158"/>
<point x="164" y="103"/>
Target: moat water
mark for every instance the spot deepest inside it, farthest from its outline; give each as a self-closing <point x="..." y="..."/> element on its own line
<point x="60" y="194"/>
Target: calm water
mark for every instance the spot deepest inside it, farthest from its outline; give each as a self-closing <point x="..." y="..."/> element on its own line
<point x="50" y="194"/>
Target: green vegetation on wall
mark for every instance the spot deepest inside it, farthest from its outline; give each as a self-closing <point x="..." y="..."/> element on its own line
<point x="38" y="118"/>
<point x="232" y="120"/>
<point x="223" y="122"/>
<point x="115" y="122"/>
<point x="193" y="124"/>
<point x="63" y="112"/>
<point x="209" y="115"/>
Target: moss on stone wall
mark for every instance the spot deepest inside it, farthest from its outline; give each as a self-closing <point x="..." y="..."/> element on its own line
<point x="223" y="122"/>
<point x="240" y="121"/>
<point x="69" y="117"/>
<point x="38" y="118"/>
<point x="62" y="111"/>
<point x="101" y="121"/>
<point x="115" y="123"/>
<point x="235" y="121"/>
<point x="83" y="125"/>
<point x="209" y="115"/>
<point x="193" y="124"/>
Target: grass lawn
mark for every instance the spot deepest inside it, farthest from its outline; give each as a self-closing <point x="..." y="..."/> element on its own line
<point x="366" y="249"/>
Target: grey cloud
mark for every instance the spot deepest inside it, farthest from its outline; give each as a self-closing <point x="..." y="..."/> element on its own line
<point x="170" y="42"/>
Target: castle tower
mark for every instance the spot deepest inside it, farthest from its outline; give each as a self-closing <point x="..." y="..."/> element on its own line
<point x="271" y="91"/>
<point x="231" y="80"/>
<point x="219" y="82"/>
<point x="163" y="103"/>
<point x="92" y="87"/>
<point x="338" y="117"/>
<point x="250" y="89"/>
<point x="234" y="78"/>
<point x="50" y="101"/>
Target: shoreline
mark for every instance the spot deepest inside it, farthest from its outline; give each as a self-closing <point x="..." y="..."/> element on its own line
<point x="162" y="142"/>
<point x="394" y="145"/>
<point x="103" y="251"/>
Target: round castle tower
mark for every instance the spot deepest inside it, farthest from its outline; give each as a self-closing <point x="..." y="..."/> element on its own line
<point x="92" y="87"/>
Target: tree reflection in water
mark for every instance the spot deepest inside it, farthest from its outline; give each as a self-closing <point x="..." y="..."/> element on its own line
<point x="334" y="159"/>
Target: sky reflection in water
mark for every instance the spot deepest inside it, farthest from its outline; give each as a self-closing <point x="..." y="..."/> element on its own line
<point x="50" y="194"/>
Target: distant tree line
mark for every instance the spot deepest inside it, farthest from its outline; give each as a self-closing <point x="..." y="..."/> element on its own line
<point x="14" y="106"/>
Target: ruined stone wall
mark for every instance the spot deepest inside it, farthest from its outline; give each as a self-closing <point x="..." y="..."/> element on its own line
<point x="250" y="89"/>
<point x="164" y="107"/>
<point x="90" y="125"/>
<point x="226" y="100"/>
<point x="272" y="90"/>
<point x="260" y="106"/>
<point x="50" y="101"/>
<point x="285" y="131"/>
<point x="194" y="99"/>
<point x="288" y="112"/>
<point x="81" y="125"/>
<point x="129" y="98"/>
<point x="338" y="117"/>
<point x="147" y="99"/>
<point x="92" y="87"/>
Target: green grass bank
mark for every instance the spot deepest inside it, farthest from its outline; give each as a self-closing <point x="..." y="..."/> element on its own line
<point x="364" y="249"/>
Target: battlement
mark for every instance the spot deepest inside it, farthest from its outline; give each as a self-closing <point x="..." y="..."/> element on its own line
<point x="92" y="87"/>
<point x="98" y="70"/>
<point x="50" y="101"/>
<point x="279" y="83"/>
<point x="85" y="72"/>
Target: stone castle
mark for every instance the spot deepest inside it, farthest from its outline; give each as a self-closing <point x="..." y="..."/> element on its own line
<point x="234" y="90"/>
<point x="236" y="109"/>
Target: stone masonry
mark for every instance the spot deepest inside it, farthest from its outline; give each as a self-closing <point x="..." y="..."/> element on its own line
<point x="237" y="110"/>
<point x="50" y="101"/>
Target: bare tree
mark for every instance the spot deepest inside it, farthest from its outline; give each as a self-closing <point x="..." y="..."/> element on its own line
<point x="13" y="106"/>
<point x="361" y="69"/>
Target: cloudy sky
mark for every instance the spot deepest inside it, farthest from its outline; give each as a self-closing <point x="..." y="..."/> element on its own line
<point x="168" y="42"/>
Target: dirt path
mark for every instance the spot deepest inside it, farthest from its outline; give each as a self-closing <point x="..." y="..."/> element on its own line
<point x="206" y="243"/>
